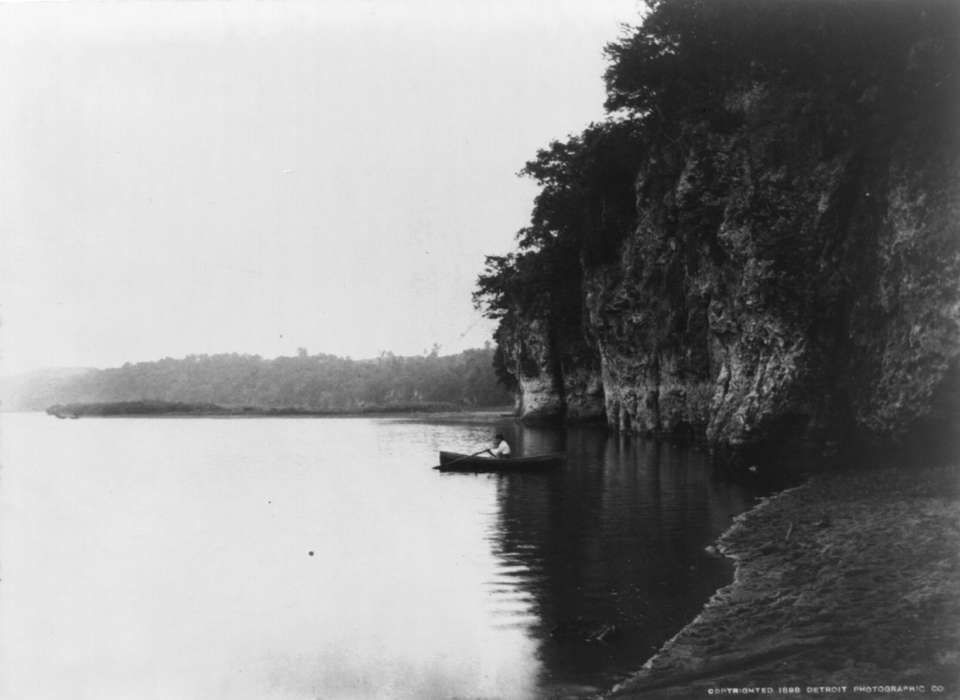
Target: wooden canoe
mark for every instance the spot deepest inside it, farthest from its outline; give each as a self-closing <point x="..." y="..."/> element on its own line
<point x="456" y="462"/>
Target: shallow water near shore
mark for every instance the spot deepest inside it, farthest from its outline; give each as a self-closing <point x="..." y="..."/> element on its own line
<point x="323" y="558"/>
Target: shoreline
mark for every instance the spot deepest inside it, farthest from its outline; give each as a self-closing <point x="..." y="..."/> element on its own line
<point x="848" y="584"/>
<point x="77" y="411"/>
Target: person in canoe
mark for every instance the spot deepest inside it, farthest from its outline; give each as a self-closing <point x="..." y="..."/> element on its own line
<point x="502" y="448"/>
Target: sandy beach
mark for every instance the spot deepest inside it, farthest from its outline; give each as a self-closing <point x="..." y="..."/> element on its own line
<point x="848" y="585"/>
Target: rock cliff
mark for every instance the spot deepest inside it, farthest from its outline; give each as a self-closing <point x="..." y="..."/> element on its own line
<point x="790" y="278"/>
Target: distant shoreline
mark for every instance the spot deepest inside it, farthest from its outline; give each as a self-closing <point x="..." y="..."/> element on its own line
<point x="167" y="409"/>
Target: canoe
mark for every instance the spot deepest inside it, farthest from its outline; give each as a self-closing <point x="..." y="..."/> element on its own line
<point x="456" y="462"/>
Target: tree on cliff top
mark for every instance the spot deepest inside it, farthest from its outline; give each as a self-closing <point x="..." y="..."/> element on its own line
<point x="688" y="54"/>
<point x="583" y="209"/>
<point x="676" y="69"/>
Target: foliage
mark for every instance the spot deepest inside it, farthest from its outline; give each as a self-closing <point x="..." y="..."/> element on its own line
<point x="310" y="382"/>
<point x="584" y="207"/>
<point x="131" y="408"/>
<point x="675" y="73"/>
<point x="688" y="54"/>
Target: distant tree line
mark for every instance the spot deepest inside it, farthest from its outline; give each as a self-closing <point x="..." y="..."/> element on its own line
<point x="311" y="382"/>
<point x="135" y="408"/>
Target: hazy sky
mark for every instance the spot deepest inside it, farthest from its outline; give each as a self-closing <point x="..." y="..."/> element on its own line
<point x="203" y="177"/>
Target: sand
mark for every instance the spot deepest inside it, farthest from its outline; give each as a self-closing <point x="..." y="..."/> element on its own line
<point x="846" y="586"/>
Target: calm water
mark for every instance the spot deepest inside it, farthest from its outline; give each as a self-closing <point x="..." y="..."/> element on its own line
<point x="171" y="558"/>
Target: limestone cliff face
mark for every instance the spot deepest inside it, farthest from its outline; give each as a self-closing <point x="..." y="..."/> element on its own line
<point x="792" y="281"/>
<point x="529" y="356"/>
<point x="558" y="375"/>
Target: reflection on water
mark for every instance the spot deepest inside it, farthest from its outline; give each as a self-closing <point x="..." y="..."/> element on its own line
<point x="296" y="559"/>
<point x="608" y="556"/>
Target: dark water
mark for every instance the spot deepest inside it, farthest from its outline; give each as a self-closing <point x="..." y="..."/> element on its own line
<point x="323" y="558"/>
<point x="616" y="539"/>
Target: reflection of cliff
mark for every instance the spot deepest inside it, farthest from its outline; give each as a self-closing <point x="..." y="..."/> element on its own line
<point x="614" y="540"/>
<point x="789" y="274"/>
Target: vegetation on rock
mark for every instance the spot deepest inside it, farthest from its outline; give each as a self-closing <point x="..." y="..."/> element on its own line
<point x="760" y="244"/>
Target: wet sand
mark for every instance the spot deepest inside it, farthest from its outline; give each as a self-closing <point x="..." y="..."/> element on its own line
<point x="846" y="586"/>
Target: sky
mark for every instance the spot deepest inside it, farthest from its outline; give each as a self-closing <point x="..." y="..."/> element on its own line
<point x="205" y="177"/>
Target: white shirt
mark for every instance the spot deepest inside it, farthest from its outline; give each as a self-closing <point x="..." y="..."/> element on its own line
<point x="501" y="450"/>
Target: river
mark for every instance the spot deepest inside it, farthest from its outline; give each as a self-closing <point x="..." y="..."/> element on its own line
<point x="296" y="558"/>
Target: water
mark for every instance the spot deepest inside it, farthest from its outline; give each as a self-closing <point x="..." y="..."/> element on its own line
<point x="323" y="558"/>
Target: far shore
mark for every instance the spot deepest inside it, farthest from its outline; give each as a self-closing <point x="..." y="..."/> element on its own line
<point x="165" y="409"/>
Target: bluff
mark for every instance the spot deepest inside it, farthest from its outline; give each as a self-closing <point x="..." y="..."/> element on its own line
<point x="783" y="273"/>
